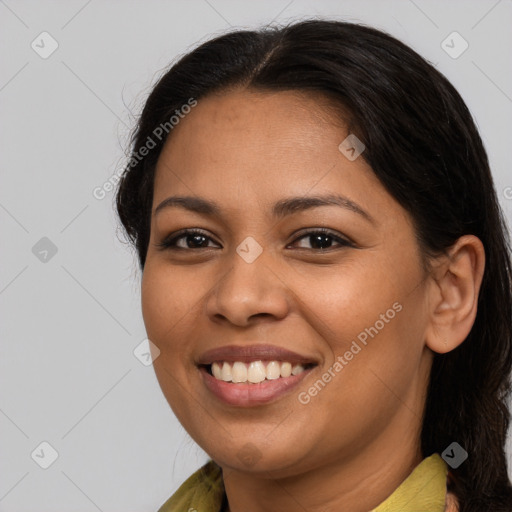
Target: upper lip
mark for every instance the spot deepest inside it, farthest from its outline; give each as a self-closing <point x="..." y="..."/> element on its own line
<point x="248" y="353"/>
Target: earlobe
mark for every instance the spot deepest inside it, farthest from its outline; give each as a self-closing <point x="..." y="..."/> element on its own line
<point x="453" y="294"/>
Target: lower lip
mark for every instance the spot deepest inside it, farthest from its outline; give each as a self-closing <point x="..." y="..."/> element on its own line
<point x="247" y="395"/>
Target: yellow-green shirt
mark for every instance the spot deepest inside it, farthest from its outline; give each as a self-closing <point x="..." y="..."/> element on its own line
<point x="424" y="490"/>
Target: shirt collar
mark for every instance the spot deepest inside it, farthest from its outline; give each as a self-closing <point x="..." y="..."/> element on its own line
<point x="423" y="490"/>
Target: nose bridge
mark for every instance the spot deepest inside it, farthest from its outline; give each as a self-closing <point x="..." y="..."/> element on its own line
<point x="249" y="288"/>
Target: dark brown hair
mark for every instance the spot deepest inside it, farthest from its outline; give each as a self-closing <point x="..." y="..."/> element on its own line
<point x="422" y="144"/>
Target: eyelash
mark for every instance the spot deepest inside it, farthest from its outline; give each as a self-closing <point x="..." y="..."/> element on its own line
<point x="169" y="243"/>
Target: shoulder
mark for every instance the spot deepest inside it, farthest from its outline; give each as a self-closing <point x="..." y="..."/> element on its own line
<point x="203" y="490"/>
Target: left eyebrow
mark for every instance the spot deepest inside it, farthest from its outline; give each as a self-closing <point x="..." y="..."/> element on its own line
<point x="292" y="205"/>
<point x="280" y="209"/>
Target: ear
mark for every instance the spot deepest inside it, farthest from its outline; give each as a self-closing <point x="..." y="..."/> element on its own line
<point x="453" y="294"/>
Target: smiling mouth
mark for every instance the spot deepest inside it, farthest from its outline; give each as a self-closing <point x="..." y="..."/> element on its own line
<point x="254" y="372"/>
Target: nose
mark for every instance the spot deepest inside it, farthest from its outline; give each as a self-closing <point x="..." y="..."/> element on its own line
<point x="247" y="292"/>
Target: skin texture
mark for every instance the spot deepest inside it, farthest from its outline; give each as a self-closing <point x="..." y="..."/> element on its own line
<point x="355" y="441"/>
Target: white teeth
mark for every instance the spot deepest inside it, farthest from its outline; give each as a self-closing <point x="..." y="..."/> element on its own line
<point x="298" y="368"/>
<point x="273" y="370"/>
<point x="216" y="370"/>
<point x="239" y="372"/>
<point x="255" y="371"/>
<point x="226" y="372"/>
<point x="286" y="369"/>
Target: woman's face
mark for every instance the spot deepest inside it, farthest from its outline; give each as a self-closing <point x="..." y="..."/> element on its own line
<point x="350" y="304"/>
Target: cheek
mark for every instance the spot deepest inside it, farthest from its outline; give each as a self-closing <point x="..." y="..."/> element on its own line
<point x="341" y="303"/>
<point x="170" y="302"/>
<point x="372" y="316"/>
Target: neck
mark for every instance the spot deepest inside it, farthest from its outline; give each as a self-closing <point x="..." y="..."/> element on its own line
<point x="356" y="484"/>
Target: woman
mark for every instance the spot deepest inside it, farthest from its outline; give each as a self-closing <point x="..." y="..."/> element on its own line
<point x="326" y="273"/>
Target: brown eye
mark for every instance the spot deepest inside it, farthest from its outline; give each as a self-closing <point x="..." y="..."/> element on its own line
<point x="186" y="239"/>
<point x="322" y="239"/>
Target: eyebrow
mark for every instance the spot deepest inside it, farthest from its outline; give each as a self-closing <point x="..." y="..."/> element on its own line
<point x="281" y="208"/>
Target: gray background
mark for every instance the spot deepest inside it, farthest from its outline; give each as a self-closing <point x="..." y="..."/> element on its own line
<point x="70" y="324"/>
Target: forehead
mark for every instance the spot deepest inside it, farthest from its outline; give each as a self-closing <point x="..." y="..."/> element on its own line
<point x="252" y="119"/>
<point x="256" y="146"/>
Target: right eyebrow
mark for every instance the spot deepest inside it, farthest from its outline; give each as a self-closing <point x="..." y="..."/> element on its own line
<point x="193" y="204"/>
